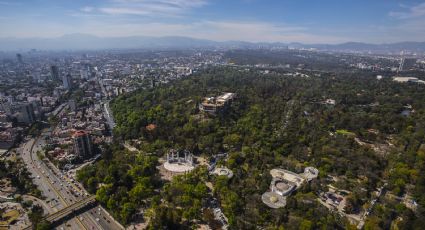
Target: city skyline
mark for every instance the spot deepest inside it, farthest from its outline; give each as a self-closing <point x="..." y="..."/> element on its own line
<point x="327" y="21"/>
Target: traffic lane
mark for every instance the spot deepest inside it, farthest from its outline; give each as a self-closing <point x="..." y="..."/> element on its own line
<point x="90" y="220"/>
<point x="103" y="219"/>
<point x="65" y="189"/>
<point x="69" y="225"/>
<point x="38" y="178"/>
<point x="47" y="178"/>
<point x="110" y="221"/>
<point x="50" y="179"/>
<point x="72" y="224"/>
<point x="53" y="177"/>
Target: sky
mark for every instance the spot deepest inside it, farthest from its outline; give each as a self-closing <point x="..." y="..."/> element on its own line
<point x="305" y="21"/>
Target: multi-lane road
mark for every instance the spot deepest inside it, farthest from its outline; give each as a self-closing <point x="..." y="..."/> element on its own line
<point x="61" y="190"/>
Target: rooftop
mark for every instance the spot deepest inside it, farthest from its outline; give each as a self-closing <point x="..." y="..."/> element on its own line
<point x="79" y="133"/>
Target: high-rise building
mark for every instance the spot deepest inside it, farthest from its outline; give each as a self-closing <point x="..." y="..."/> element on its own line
<point x="19" y="57"/>
<point x="54" y="72"/>
<point x="26" y="113"/>
<point x="84" y="74"/>
<point x="82" y="144"/>
<point x="72" y="105"/>
<point x="67" y="81"/>
<point x="409" y="63"/>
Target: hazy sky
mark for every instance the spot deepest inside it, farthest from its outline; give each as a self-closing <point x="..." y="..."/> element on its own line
<point x="310" y="21"/>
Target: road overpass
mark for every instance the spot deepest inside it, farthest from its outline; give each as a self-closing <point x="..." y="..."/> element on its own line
<point x="75" y="207"/>
<point x="69" y="211"/>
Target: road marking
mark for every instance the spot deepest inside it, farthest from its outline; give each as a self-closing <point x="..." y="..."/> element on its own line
<point x="50" y="185"/>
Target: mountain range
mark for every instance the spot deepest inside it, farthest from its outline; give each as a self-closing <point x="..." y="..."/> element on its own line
<point x="90" y="42"/>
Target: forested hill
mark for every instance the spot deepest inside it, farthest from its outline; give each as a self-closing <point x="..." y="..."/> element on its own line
<point x="281" y="121"/>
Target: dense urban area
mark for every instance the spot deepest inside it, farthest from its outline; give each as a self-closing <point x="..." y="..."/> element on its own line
<point x="222" y="138"/>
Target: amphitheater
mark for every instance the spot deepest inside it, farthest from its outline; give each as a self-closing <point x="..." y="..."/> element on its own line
<point x="285" y="182"/>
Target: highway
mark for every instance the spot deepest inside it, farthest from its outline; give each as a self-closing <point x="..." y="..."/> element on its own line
<point x="108" y="115"/>
<point x="62" y="190"/>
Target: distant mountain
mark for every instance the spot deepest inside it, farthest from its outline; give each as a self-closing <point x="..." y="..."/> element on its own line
<point x="90" y="42"/>
<point x="365" y="47"/>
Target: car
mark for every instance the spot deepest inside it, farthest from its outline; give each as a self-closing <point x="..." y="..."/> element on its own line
<point x="97" y="219"/>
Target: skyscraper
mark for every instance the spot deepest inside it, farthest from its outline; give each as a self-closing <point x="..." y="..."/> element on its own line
<point x="19" y="57"/>
<point x="67" y="81"/>
<point x="82" y="144"/>
<point x="54" y="72"/>
<point x="26" y="113"/>
<point x="409" y="63"/>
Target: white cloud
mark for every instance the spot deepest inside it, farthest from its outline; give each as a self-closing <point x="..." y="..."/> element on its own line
<point x="175" y="3"/>
<point x="409" y="24"/>
<point x="10" y="3"/>
<point x="121" y="10"/>
<point x="87" y="9"/>
<point x="411" y="12"/>
<point x="147" y="10"/>
<point x="151" y="7"/>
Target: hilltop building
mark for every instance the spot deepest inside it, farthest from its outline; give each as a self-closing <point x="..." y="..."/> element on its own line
<point x="213" y="105"/>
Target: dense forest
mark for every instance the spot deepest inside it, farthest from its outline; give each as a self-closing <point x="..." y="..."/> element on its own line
<point x="275" y="121"/>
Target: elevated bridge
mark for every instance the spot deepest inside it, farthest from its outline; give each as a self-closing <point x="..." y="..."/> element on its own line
<point x="68" y="211"/>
